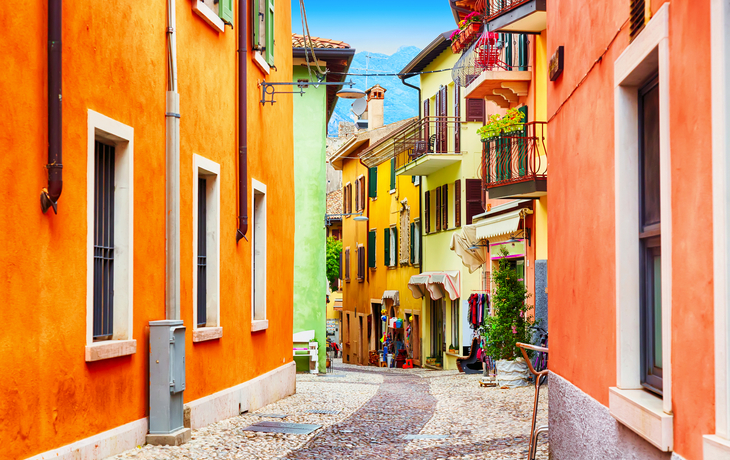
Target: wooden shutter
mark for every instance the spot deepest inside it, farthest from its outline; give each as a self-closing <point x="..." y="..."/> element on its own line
<point x="269" y="51"/>
<point x="438" y="209"/>
<point x="347" y="264"/>
<point x="225" y="11"/>
<point x="363" y="196"/>
<point x="457" y="114"/>
<point x="392" y="174"/>
<point x="638" y="16"/>
<point x="371" y="248"/>
<point x="442" y="127"/>
<point x="412" y="239"/>
<point x="457" y="203"/>
<point x="473" y="199"/>
<point x="475" y="110"/>
<point x="344" y="199"/>
<point x="373" y="182"/>
<point x="357" y="195"/>
<point x="426" y="114"/>
<point x="386" y="247"/>
<point x="427" y="212"/>
<point x="360" y="263"/>
<point x="259" y="24"/>
<point x="445" y="206"/>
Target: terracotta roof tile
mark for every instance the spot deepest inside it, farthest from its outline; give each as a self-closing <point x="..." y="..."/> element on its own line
<point x="334" y="202"/>
<point x="297" y="41"/>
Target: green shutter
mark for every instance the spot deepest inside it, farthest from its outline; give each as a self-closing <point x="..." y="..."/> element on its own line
<point x="413" y="237"/>
<point x="386" y="247"/>
<point x="523" y="52"/>
<point x="392" y="174"/>
<point x="373" y="182"/>
<point x="269" y="52"/>
<point x="371" y="249"/>
<point x="225" y="11"/>
<point x="259" y="24"/>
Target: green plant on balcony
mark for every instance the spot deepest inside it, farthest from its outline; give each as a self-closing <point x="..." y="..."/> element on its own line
<point x="510" y="122"/>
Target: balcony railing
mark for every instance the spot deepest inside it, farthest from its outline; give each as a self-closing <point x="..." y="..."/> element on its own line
<point x="436" y="135"/>
<point x="493" y="51"/>
<point x="498" y="7"/>
<point x="516" y="15"/>
<point x="514" y="157"/>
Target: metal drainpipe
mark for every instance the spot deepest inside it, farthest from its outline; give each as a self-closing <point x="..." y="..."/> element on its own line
<point x="51" y="194"/>
<point x="420" y="179"/>
<point x="242" y="121"/>
<point x="172" y="173"/>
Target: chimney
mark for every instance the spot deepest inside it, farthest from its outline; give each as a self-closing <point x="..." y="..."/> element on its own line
<point x="375" y="111"/>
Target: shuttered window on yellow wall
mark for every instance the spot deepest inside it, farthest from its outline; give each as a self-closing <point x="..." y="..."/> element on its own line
<point x="640" y="13"/>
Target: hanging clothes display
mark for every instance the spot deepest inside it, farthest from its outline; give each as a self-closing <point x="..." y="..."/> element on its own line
<point x="479" y="309"/>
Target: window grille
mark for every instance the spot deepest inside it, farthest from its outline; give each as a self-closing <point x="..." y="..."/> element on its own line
<point x="202" y="254"/>
<point x="103" y="241"/>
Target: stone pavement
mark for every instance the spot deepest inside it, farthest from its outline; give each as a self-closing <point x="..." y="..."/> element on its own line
<point x="378" y="408"/>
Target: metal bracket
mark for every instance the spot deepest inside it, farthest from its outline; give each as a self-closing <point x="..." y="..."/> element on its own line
<point x="268" y="90"/>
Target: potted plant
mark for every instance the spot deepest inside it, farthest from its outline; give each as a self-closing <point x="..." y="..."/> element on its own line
<point x="453" y="349"/>
<point x="510" y="122"/>
<point x="509" y="325"/>
<point x="455" y="45"/>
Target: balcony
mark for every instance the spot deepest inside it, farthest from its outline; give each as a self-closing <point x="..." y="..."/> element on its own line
<point x="428" y="146"/>
<point x="514" y="165"/>
<point x="525" y="16"/>
<point x="496" y="68"/>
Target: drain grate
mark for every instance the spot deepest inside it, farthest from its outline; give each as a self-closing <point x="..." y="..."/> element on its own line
<point x="270" y="415"/>
<point x="322" y="411"/>
<point x="425" y="436"/>
<point x="280" y="427"/>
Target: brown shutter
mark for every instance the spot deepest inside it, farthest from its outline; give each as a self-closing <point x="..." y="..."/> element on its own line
<point x="427" y="212"/>
<point x="475" y="110"/>
<point x="442" y="111"/>
<point x="445" y="206"/>
<point x="426" y="114"/>
<point x="344" y="199"/>
<point x="457" y="114"/>
<point x="473" y="199"/>
<point x="357" y="195"/>
<point x="363" y="195"/>
<point x="457" y="203"/>
<point x="347" y="264"/>
<point x="438" y="209"/>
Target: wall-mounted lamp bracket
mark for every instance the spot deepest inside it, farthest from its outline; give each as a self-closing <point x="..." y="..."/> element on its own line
<point x="268" y="90"/>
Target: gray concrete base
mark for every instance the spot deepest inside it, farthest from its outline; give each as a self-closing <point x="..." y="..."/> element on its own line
<point x="581" y="428"/>
<point x="176" y="438"/>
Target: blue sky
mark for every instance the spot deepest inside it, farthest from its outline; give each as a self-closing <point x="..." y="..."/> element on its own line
<point x="380" y="26"/>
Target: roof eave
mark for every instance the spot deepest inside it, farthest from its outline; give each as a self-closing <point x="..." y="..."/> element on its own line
<point x="428" y="54"/>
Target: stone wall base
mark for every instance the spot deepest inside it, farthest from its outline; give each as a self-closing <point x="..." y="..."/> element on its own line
<point x="581" y="428"/>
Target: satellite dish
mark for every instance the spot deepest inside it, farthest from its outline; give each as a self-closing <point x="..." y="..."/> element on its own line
<point x="359" y="106"/>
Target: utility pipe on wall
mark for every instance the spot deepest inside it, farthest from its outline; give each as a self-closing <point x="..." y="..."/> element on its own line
<point x="242" y="120"/>
<point x="172" y="155"/>
<point x="51" y="194"/>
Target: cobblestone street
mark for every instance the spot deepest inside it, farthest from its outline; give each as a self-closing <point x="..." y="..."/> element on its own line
<point x="377" y="408"/>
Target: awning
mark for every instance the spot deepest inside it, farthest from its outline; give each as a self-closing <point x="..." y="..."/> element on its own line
<point x="338" y="304"/>
<point x="392" y="295"/>
<point x="437" y="284"/>
<point x="462" y="241"/>
<point x="498" y="225"/>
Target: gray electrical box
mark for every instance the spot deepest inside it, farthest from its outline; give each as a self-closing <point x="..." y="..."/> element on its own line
<point x="167" y="377"/>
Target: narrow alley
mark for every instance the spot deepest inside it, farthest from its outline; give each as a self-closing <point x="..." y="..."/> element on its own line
<point x="375" y="413"/>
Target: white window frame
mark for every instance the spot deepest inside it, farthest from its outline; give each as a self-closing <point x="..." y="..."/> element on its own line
<point x="259" y="320"/>
<point x="203" y="167"/>
<point x="394" y="246"/>
<point x="717" y="446"/>
<point x="416" y="242"/>
<point x="648" y="415"/>
<point x="404" y="222"/>
<point x="208" y="15"/>
<point x="103" y="128"/>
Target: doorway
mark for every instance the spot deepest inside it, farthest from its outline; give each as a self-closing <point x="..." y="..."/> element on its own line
<point x="437" y="330"/>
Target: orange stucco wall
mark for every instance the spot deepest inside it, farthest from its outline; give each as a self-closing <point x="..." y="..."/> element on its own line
<point x="115" y="63"/>
<point x="581" y="227"/>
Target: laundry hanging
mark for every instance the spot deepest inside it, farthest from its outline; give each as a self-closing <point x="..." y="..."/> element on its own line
<point x="478" y="309"/>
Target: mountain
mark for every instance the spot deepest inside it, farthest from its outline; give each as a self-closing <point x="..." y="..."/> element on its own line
<point x="401" y="102"/>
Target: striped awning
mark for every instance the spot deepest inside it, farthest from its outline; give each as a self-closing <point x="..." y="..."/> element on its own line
<point x="392" y="295"/>
<point x="503" y="224"/>
<point x="338" y="304"/>
<point x="436" y="284"/>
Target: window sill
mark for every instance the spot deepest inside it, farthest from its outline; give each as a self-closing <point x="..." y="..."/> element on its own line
<point x="110" y="349"/>
<point x="208" y="16"/>
<point x="259" y="325"/>
<point x="643" y="413"/>
<point x="203" y="334"/>
<point x="392" y="191"/>
<point x="261" y="62"/>
<point x="715" y="447"/>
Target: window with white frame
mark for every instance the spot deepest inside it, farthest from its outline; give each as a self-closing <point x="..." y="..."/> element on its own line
<point x="217" y="13"/>
<point x="258" y="258"/>
<point x="110" y="243"/>
<point x="206" y="250"/>
<point x="405" y="233"/>
<point x="416" y="242"/>
<point x="393" y="243"/>
<point x="644" y="258"/>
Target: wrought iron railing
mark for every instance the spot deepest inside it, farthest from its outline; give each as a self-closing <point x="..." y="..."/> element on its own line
<point x="516" y="156"/>
<point x="430" y="135"/>
<point x="492" y="51"/>
<point x="497" y="8"/>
